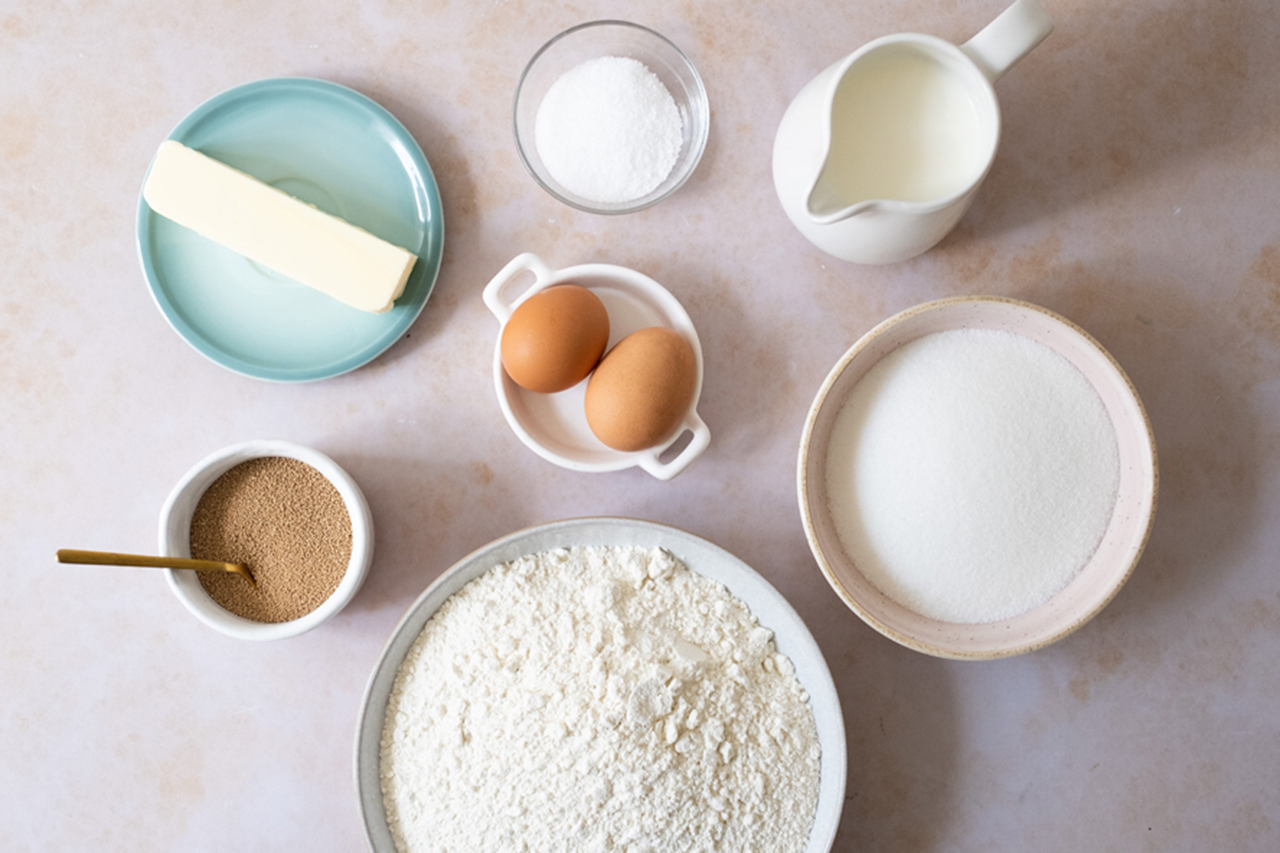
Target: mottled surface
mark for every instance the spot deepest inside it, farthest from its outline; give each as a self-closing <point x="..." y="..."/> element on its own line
<point x="1137" y="191"/>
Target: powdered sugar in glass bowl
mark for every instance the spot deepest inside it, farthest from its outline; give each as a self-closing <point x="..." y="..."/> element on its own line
<point x="561" y="64"/>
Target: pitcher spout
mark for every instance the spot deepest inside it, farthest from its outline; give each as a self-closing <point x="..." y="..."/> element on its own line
<point x="826" y="203"/>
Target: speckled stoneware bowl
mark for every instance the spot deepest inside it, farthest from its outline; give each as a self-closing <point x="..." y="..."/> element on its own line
<point x="767" y="604"/>
<point x="175" y="539"/>
<point x="1108" y="568"/>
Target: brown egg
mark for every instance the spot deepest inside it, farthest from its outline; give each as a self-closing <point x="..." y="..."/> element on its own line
<point x="641" y="390"/>
<point x="554" y="339"/>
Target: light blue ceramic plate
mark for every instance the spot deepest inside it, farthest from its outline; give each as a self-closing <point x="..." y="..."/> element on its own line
<point x="329" y="146"/>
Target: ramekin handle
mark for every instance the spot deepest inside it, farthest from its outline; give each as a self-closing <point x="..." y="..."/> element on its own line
<point x="494" y="297"/>
<point x="665" y="471"/>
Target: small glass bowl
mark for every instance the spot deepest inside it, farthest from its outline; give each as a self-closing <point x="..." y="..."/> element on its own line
<point x="613" y="38"/>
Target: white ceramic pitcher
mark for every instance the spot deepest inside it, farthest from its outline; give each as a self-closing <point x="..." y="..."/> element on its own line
<point x="879" y="156"/>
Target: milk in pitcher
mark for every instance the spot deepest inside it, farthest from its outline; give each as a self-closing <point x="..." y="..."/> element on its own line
<point x="904" y="127"/>
<point x="878" y="157"/>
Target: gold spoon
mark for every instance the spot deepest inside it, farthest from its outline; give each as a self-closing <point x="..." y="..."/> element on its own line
<point x="107" y="558"/>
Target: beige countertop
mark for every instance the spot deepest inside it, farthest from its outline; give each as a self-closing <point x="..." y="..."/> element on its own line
<point x="1137" y="192"/>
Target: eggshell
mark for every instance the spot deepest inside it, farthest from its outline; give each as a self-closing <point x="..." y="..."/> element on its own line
<point x="641" y="390"/>
<point x="554" y="339"/>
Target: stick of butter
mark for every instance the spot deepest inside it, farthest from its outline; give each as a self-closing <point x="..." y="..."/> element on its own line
<point x="275" y="229"/>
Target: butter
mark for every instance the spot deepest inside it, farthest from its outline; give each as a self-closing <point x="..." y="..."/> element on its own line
<point x="275" y="229"/>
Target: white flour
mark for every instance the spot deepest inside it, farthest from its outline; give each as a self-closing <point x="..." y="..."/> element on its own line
<point x="598" y="699"/>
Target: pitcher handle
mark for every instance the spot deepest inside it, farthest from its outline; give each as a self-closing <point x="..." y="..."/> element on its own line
<point x="1011" y="36"/>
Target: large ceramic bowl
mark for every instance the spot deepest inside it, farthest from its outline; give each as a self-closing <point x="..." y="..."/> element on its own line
<point x="1112" y="562"/>
<point x="175" y="539"/>
<point x="770" y="608"/>
<point x="613" y="38"/>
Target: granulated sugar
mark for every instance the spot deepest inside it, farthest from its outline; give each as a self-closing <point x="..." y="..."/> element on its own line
<point x="287" y="523"/>
<point x="597" y="699"/>
<point x="608" y="130"/>
<point x="971" y="474"/>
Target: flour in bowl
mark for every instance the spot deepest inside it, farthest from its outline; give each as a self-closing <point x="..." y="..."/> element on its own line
<point x="597" y="699"/>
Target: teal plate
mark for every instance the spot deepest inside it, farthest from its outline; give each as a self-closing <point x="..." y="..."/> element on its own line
<point x="331" y="147"/>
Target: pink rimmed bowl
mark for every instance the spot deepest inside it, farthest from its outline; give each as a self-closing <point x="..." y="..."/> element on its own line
<point x="1100" y="578"/>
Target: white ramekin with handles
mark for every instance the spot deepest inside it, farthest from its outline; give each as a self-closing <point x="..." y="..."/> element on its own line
<point x="554" y="426"/>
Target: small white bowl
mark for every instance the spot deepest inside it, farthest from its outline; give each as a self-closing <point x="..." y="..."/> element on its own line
<point x="175" y="539"/>
<point x="613" y="38"/>
<point x="769" y="607"/>
<point x="554" y="426"/>
<point x="1101" y="577"/>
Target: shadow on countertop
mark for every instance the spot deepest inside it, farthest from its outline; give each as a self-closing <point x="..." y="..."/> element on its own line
<point x="1116" y="95"/>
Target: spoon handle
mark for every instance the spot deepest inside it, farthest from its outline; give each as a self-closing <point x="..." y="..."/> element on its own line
<point x="108" y="558"/>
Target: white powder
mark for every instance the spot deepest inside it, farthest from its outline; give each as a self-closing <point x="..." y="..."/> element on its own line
<point x="971" y="474"/>
<point x="608" y="130"/>
<point x="598" y="699"/>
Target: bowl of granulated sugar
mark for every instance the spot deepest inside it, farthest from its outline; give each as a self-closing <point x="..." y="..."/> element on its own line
<point x="610" y="117"/>
<point x="977" y="478"/>
<point x="288" y="512"/>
